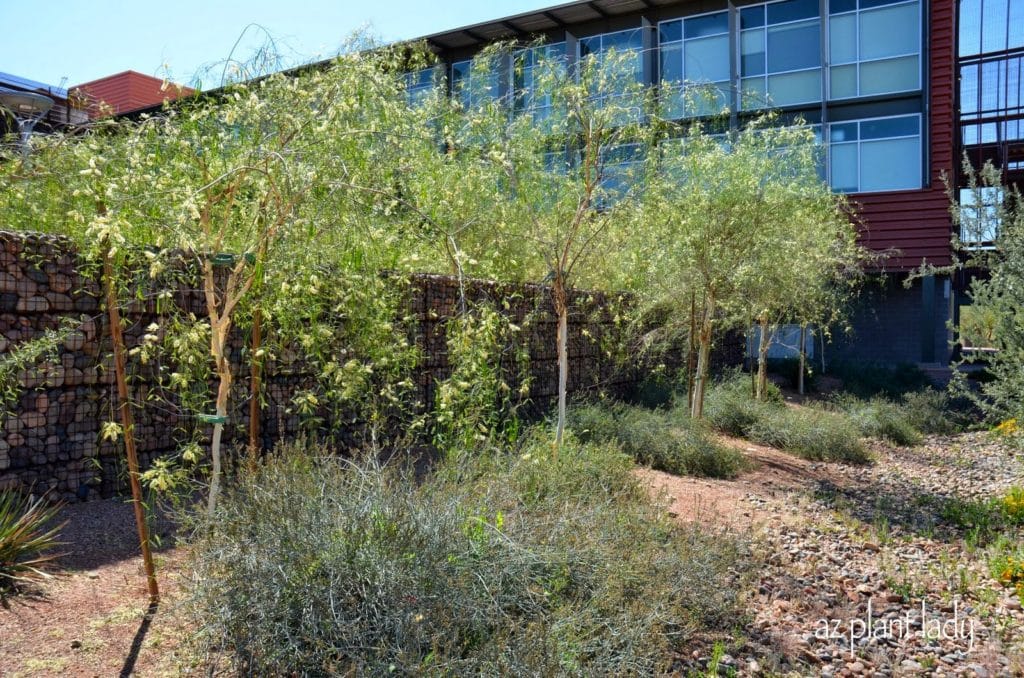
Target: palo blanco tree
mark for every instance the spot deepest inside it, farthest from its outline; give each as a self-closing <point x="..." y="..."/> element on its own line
<point x="572" y="173"/>
<point x="740" y="223"/>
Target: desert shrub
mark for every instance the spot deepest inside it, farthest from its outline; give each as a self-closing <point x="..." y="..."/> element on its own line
<point x="902" y="422"/>
<point x="655" y="390"/>
<point x="526" y="564"/>
<point x="932" y="411"/>
<point x="810" y="433"/>
<point x="789" y="369"/>
<point x="866" y="380"/>
<point x="880" y="418"/>
<point x="667" y="440"/>
<point x="731" y="408"/>
<point x="27" y="539"/>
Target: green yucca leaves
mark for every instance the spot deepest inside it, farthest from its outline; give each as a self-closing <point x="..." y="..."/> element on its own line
<point x="27" y="539"/>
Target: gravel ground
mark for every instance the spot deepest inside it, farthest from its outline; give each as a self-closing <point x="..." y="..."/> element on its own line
<point x="861" y="576"/>
<point x="856" y="571"/>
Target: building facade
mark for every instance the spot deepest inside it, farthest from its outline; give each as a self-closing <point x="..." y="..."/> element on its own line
<point x="126" y="92"/>
<point x="65" y="112"/>
<point x="877" y="78"/>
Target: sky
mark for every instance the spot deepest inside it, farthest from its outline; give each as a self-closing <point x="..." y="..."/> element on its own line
<point x="69" y="42"/>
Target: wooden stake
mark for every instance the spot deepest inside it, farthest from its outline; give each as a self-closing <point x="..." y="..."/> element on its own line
<point x="803" y="359"/>
<point x="254" y="382"/>
<point x="127" y="422"/>
<point x="691" y="354"/>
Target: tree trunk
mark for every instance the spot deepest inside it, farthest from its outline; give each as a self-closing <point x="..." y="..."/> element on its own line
<point x="762" y="359"/>
<point x="691" y="355"/>
<point x="703" y="358"/>
<point x="128" y="424"/>
<point x="254" y="382"/>
<point x="822" y="351"/>
<point x="750" y="353"/>
<point x="218" y="341"/>
<point x="562" y="309"/>
<point x="803" y="360"/>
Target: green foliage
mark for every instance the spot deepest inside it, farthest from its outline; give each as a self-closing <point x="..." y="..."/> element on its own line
<point x="741" y="231"/>
<point x="808" y="432"/>
<point x="475" y="404"/>
<point x="524" y="564"/>
<point x="932" y="411"/>
<point x="988" y="519"/>
<point x="731" y="407"/>
<point x="668" y="440"/>
<point x="997" y="297"/>
<point x="24" y="363"/>
<point x="27" y="539"/>
<point x="353" y="331"/>
<point x="903" y="421"/>
<point x="867" y="380"/>
<point x="880" y="418"/>
<point x="1013" y="505"/>
<point x="977" y="326"/>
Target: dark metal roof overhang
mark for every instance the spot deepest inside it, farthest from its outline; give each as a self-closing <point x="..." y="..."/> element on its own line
<point x="538" y="22"/>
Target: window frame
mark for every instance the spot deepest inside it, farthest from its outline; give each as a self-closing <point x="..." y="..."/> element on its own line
<point x="415" y="86"/>
<point x="856" y="13"/>
<point x="471" y="100"/>
<point x="600" y="99"/>
<point x="859" y="141"/>
<point x="518" y="92"/>
<point x="679" y="87"/>
<point x="764" y="27"/>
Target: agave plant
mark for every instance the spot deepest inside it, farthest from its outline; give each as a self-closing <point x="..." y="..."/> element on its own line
<point x="27" y="539"/>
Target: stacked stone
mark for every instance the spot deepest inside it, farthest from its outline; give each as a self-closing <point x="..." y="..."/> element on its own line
<point x="49" y="441"/>
<point x="53" y="440"/>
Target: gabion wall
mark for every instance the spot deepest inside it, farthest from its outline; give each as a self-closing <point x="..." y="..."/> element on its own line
<point x="53" y="439"/>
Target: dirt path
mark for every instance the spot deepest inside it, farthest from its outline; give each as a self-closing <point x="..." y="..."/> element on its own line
<point x="828" y="540"/>
<point x="840" y="545"/>
<point x="93" y="619"/>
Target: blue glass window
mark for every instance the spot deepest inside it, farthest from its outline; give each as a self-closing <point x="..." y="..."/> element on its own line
<point x="473" y="84"/>
<point x="874" y="48"/>
<point x="628" y="71"/>
<point x="695" y="64"/>
<point x="752" y="17"/>
<point x="780" y="54"/>
<point x="882" y="154"/>
<point x="419" y="84"/>
<point x="531" y="67"/>
<point x="791" y="10"/>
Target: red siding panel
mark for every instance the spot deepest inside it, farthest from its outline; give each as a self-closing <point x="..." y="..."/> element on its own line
<point x="917" y="223"/>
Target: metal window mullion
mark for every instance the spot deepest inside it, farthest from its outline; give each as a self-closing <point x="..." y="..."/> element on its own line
<point x="735" y="58"/>
<point x="823" y="53"/>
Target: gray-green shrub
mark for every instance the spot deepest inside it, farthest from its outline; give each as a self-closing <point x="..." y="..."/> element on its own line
<point x="524" y="565"/>
<point x="932" y="411"/>
<point x="667" y="440"/>
<point x="880" y="418"/>
<point x="808" y="432"/>
<point x="731" y="408"/>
